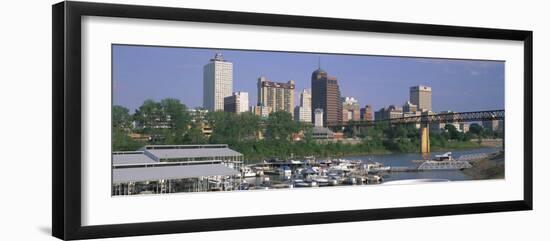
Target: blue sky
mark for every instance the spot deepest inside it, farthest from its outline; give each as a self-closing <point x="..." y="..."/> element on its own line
<point x="141" y="73"/>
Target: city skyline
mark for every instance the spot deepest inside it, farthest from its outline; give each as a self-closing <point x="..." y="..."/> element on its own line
<point x="141" y="73"/>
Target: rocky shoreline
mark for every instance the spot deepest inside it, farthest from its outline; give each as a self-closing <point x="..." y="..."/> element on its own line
<point x="489" y="168"/>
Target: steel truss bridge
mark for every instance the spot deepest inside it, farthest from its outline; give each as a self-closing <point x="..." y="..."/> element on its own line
<point x="486" y="115"/>
<point x="425" y="121"/>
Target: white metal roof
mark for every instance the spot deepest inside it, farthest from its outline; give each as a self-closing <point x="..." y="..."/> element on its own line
<point x="192" y="153"/>
<point x="141" y="174"/>
<point x="124" y="158"/>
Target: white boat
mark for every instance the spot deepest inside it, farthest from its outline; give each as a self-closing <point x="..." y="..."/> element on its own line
<point x="301" y="184"/>
<point x="444" y="165"/>
<point x="285" y="171"/>
<point x="374" y="179"/>
<point x="309" y="171"/>
<point x="360" y="180"/>
<point x="258" y="170"/>
<point x="350" y="181"/>
<point x="377" y="167"/>
<point x="296" y="162"/>
<point x="246" y="171"/>
<point x="444" y="162"/>
<point x="343" y="166"/>
<point x="444" y="157"/>
<point x="319" y="180"/>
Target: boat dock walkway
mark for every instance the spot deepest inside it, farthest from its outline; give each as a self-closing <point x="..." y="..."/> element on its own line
<point x="403" y="169"/>
<point x="468" y="157"/>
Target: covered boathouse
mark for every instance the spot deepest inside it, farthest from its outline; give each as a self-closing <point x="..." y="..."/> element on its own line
<point x="175" y="168"/>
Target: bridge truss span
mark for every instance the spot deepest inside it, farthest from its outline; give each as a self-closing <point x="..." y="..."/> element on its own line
<point x="428" y="119"/>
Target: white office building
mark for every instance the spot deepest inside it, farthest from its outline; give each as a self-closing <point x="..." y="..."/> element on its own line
<point x="242" y="101"/>
<point x="318" y="117"/>
<point x="302" y="113"/>
<point x="305" y="98"/>
<point x="217" y="83"/>
<point x="236" y="103"/>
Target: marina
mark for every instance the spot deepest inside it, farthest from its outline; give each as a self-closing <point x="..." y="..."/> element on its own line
<point x="170" y="169"/>
<point x="363" y="170"/>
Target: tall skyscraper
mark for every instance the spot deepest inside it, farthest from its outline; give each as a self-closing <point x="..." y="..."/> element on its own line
<point x="236" y="103"/>
<point x="325" y="95"/>
<point x="217" y="82"/>
<point x="278" y="96"/>
<point x="350" y="109"/>
<point x="302" y="113"/>
<point x="421" y="96"/>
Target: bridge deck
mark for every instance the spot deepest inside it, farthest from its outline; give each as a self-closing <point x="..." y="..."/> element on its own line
<point x="426" y="119"/>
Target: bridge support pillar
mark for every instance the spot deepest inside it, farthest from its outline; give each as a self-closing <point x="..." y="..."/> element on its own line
<point x="424" y="139"/>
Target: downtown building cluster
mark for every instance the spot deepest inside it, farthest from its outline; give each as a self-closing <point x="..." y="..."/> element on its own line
<point x="322" y="105"/>
<point x="323" y="97"/>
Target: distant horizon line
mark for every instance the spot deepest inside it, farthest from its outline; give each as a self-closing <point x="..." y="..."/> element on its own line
<point x="362" y="106"/>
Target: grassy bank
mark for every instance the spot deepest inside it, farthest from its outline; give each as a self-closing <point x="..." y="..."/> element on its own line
<point x="263" y="150"/>
<point x="457" y="146"/>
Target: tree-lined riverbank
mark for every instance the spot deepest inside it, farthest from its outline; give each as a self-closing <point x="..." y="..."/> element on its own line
<point x="169" y="122"/>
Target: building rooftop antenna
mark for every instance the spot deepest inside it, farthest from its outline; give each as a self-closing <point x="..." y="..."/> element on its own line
<point x="319" y="62"/>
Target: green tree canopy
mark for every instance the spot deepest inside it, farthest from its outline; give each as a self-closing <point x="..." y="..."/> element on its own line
<point x="476" y="129"/>
<point x="232" y="127"/>
<point x="280" y="126"/>
<point x="167" y="121"/>
<point x="149" y="116"/>
<point x="121" y="118"/>
<point x="121" y="128"/>
<point x="453" y="132"/>
<point x="175" y="114"/>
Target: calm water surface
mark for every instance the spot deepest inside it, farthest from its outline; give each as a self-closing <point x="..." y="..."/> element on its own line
<point x="405" y="159"/>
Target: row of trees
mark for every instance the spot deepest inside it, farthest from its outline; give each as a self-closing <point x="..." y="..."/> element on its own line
<point x="406" y="138"/>
<point x="170" y="122"/>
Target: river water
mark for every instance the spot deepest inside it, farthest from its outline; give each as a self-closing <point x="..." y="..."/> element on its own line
<point x="405" y="160"/>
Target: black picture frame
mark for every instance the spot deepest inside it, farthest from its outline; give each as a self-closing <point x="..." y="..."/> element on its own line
<point x="66" y="158"/>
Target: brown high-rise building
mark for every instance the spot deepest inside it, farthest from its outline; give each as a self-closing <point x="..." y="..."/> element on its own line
<point x="325" y="95"/>
<point x="366" y="113"/>
<point x="277" y="96"/>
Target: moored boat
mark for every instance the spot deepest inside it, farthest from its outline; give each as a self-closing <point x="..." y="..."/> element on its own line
<point x="246" y="171"/>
